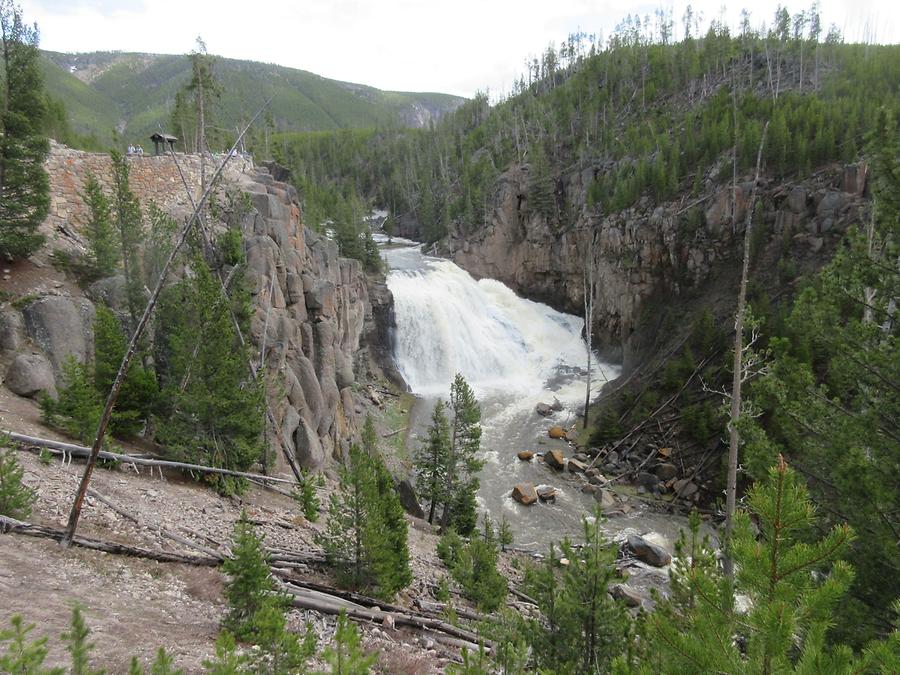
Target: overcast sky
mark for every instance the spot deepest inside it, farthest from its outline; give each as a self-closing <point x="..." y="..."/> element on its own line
<point x="458" y="46"/>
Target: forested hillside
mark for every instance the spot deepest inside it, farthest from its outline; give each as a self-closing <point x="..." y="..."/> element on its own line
<point x="134" y="94"/>
<point x="645" y="116"/>
<point x="635" y="158"/>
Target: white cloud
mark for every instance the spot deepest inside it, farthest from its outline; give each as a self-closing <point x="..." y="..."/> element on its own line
<point x="420" y="45"/>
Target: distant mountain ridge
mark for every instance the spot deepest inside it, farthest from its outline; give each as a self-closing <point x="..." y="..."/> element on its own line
<point x="134" y="93"/>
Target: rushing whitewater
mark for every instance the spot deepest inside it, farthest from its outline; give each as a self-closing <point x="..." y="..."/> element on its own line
<point x="449" y="324"/>
<point x="515" y="353"/>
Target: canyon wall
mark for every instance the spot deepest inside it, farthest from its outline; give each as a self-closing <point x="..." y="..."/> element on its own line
<point x="651" y="259"/>
<point x="311" y="323"/>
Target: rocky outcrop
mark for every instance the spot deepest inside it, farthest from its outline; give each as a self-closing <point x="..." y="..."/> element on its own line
<point x="649" y="251"/>
<point x="310" y="324"/>
<point x="310" y="311"/>
<point x="648" y="552"/>
<point x="524" y="493"/>
<point x="30" y="375"/>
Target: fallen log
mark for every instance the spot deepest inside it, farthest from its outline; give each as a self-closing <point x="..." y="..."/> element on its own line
<point x="157" y="528"/>
<point x="10" y="525"/>
<point x="326" y="601"/>
<point x="304" y="599"/>
<point x="81" y="451"/>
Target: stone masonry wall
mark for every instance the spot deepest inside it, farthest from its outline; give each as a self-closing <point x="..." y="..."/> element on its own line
<point x="152" y="178"/>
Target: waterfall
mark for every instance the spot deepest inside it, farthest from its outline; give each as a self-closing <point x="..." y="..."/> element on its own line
<point x="448" y="323"/>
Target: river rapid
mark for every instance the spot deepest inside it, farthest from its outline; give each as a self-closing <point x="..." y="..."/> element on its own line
<point x="514" y="353"/>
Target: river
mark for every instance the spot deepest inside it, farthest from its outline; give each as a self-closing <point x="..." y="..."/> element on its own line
<point x="514" y="353"/>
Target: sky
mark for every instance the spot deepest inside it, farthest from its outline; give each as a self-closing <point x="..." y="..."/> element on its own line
<point x="458" y="47"/>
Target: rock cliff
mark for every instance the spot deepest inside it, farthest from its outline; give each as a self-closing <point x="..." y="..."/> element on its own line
<point x="311" y="328"/>
<point x="651" y="259"/>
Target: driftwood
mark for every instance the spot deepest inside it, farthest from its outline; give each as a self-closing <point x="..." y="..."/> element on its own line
<point x="394" y="433"/>
<point x="81" y="451"/>
<point x="13" y="526"/>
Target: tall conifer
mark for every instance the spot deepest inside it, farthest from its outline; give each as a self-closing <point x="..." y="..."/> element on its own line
<point x="24" y="185"/>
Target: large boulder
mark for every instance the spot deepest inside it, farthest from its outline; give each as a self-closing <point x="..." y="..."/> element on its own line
<point x="61" y="326"/>
<point x="648" y="552"/>
<point x="576" y="465"/>
<point x="685" y="488"/>
<point x="555" y="459"/>
<point x="628" y="595"/>
<point x="409" y="499"/>
<point x="546" y="493"/>
<point x="543" y="409"/>
<point x="605" y="499"/>
<point x="309" y="451"/>
<point x="666" y="471"/>
<point x="110" y="291"/>
<point x="524" y="493"/>
<point x="557" y="432"/>
<point x="30" y="375"/>
<point x="12" y="330"/>
<point x="525" y="455"/>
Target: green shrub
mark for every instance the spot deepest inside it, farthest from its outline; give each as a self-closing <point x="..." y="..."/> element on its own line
<point x="473" y="566"/>
<point x="16" y="498"/>
<point x="305" y="495"/>
<point x="347" y="656"/>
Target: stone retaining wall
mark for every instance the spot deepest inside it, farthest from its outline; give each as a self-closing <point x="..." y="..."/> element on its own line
<point x="152" y="178"/>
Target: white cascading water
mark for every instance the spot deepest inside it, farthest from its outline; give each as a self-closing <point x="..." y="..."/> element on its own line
<point x="449" y="323"/>
<point x="515" y="353"/>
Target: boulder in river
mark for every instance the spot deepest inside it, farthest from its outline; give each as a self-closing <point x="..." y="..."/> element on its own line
<point x="605" y="499"/>
<point x="647" y="552"/>
<point x="524" y="493"/>
<point x="684" y="488"/>
<point x="666" y="471"/>
<point x="557" y="406"/>
<point x="555" y="459"/>
<point x="576" y="466"/>
<point x="557" y="432"/>
<point x="546" y="493"/>
<point x="543" y="409"/>
<point x="525" y="455"/>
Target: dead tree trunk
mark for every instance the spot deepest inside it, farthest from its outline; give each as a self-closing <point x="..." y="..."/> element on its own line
<point x="734" y="440"/>
<point x="589" y="320"/>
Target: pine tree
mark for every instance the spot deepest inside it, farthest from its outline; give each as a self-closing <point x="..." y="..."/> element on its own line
<point x="346" y="656"/>
<point x="78" y="408"/>
<point x="586" y="628"/>
<point x="344" y="535"/>
<point x="15" y="497"/>
<point x="431" y="461"/>
<point x="791" y="591"/>
<point x="129" y="222"/>
<point x="250" y="587"/>
<point x="138" y="393"/>
<point x="463" y="463"/>
<point x="212" y="414"/>
<point x="22" y="656"/>
<point x="386" y="535"/>
<point x="365" y="537"/>
<point x="78" y="646"/>
<point x="24" y="185"/>
<point x="103" y="249"/>
<point x="474" y="566"/>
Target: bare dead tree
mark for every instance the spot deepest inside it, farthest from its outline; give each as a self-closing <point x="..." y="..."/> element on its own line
<point x="734" y="440"/>
<point x="78" y="502"/>
<point x="589" y="286"/>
